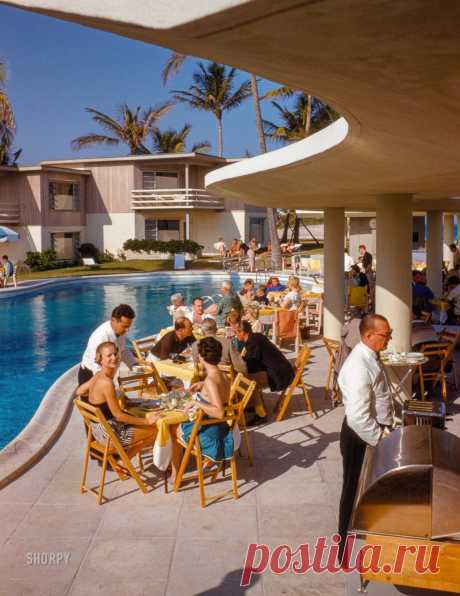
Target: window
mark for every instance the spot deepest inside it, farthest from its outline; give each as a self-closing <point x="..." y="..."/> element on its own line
<point x="64" y="196"/>
<point x="162" y="229"/>
<point x="65" y="245"/>
<point x="257" y="229"/>
<point x="160" y="180"/>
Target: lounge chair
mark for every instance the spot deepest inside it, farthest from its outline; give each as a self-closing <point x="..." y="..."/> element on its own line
<point x="90" y="262"/>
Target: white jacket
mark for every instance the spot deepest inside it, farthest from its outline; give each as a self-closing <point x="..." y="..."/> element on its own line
<point x="366" y="393"/>
<point x="103" y="333"/>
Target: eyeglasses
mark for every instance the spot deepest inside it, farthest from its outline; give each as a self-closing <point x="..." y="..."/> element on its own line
<point x="385" y="335"/>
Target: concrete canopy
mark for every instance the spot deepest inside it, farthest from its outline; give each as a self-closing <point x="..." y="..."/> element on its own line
<point x="391" y="68"/>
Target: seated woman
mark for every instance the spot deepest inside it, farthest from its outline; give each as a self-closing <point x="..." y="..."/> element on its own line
<point x="101" y="393"/>
<point x="247" y="292"/>
<point x="216" y="441"/>
<point x="251" y="314"/>
<point x="260" y="295"/>
<point x="293" y="298"/>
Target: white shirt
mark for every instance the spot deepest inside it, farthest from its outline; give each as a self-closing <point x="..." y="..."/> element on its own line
<point x="103" y="333"/>
<point x="190" y="315"/>
<point x="349" y="262"/>
<point x="454" y="295"/>
<point x="366" y="393"/>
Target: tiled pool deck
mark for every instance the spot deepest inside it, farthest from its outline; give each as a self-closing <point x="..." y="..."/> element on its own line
<point x="165" y="544"/>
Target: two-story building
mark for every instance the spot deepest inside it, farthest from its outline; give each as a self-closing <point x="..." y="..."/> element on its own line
<point x="105" y="201"/>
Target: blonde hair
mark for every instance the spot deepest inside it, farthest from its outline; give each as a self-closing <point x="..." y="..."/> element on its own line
<point x="100" y="347"/>
<point x="294" y="281"/>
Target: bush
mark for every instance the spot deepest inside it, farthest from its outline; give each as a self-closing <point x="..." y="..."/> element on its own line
<point x="41" y="261"/>
<point x="87" y="250"/>
<point x="172" y="246"/>
<point x="106" y="257"/>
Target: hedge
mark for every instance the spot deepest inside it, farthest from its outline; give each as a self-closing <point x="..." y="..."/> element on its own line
<point x="172" y="246"/>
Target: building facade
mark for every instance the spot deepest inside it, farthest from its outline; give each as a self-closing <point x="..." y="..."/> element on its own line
<point x="61" y="204"/>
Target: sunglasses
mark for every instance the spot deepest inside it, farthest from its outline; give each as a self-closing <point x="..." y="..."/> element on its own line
<point x="385" y="335"/>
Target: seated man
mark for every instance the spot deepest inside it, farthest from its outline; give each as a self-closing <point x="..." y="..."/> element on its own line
<point x="229" y="301"/>
<point x="197" y="316"/>
<point x="178" y="307"/>
<point x="175" y="341"/>
<point x="274" y="285"/>
<point x="266" y="363"/>
<point x="230" y="354"/>
<point x="421" y="293"/>
<point x="358" y="278"/>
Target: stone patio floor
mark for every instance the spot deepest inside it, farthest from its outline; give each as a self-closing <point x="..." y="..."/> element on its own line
<point x="165" y="544"/>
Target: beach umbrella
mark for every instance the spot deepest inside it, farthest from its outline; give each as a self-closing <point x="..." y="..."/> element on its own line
<point x="8" y="235"/>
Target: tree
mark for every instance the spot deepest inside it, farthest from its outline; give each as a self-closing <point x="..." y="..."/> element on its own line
<point x="175" y="141"/>
<point x="271" y="213"/>
<point x="173" y="64"/>
<point x="132" y="128"/>
<point x="213" y="91"/>
<point x="7" y="124"/>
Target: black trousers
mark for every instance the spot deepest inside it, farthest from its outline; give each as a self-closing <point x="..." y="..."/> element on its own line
<point x="84" y="374"/>
<point x="352" y="449"/>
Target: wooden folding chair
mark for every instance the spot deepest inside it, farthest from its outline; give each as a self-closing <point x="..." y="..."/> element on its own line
<point x="452" y="339"/>
<point x="152" y="372"/>
<point x="285" y="397"/>
<point x="144" y="384"/>
<point x="107" y="453"/>
<point x="438" y="354"/>
<point x="228" y="370"/>
<point x="193" y="448"/>
<point x="293" y="333"/>
<point x="332" y="347"/>
<point x="143" y="345"/>
<point x="241" y="391"/>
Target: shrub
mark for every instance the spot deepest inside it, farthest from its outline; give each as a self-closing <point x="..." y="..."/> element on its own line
<point x="41" y="261"/>
<point x="88" y="250"/>
<point x="172" y="246"/>
<point x="106" y="257"/>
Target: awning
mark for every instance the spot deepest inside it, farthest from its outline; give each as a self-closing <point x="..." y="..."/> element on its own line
<point x="8" y="235"/>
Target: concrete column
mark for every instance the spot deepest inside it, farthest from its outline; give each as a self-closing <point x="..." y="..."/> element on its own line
<point x="393" y="295"/>
<point x="434" y="250"/>
<point x="187" y="225"/>
<point x="457" y="239"/>
<point x="448" y="237"/>
<point x="334" y="295"/>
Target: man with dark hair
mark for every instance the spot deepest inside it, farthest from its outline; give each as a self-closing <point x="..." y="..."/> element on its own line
<point x="8" y="271"/>
<point x="421" y="293"/>
<point x="368" y="410"/>
<point x="455" y="258"/>
<point x="175" y="341"/>
<point x="266" y="363"/>
<point x="365" y="257"/>
<point x="114" y="331"/>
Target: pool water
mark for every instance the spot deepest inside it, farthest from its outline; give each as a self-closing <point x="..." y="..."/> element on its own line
<point x="44" y="334"/>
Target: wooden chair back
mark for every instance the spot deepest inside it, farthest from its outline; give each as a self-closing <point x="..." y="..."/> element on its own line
<point x="143" y="345"/>
<point x="155" y="375"/>
<point x="141" y="383"/>
<point x="105" y="452"/>
<point x="440" y="352"/>
<point x="358" y="297"/>
<point x="331" y="392"/>
<point x="284" y="399"/>
<point x="228" y="370"/>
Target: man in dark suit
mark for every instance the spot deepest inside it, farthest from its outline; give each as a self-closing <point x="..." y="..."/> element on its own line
<point x="266" y="363"/>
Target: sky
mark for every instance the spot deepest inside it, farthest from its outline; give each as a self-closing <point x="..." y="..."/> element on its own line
<point x="56" y="69"/>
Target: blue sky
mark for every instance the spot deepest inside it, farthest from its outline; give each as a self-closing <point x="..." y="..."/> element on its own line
<point x="56" y="69"/>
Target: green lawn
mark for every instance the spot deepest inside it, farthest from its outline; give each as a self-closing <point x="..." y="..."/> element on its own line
<point x="135" y="266"/>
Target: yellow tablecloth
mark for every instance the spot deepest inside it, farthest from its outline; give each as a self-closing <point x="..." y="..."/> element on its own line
<point x="270" y="310"/>
<point x="440" y="304"/>
<point x="185" y="372"/>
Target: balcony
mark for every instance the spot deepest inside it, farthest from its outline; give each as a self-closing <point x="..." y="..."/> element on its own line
<point x="9" y="213"/>
<point x="175" y="198"/>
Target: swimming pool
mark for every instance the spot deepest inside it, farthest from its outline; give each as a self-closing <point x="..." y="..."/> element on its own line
<point x="43" y="334"/>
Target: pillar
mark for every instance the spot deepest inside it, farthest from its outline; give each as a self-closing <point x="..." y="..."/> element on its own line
<point x="187" y="225"/>
<point x="334" y="275"/>
<point x="393" y="294"/>
<point x="434" y="251"/>
<point x="457" y="239"/>
<point x="448" y="238"/>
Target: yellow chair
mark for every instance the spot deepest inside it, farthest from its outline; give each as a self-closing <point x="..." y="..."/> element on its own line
<point x="452" y="339"/>
<point x="143" y="345"/>
<point x="285" y="397"/>
<point x="439" y="355"/>
<point x="107" y="453"/>
<point x="193" y="448"/>
<point x="332" y="347"/>
<point x="358" y="297"/>
<point x="241" y="391"/>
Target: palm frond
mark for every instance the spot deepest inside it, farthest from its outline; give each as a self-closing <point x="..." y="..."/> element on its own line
<point x="283" y="91"/>
<point x="201" y="147"/>
<point x="173" y="65"/>
<point x="93" y="139"/>
<point x="105" y="121"/>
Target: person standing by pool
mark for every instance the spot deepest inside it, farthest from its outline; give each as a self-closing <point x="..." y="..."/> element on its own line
<point x="8" y="270"/>
<point x="114" y="331"/>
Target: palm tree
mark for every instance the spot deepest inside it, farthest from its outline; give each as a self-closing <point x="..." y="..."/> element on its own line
<point x="309" y="115"/>
<point x="271" y="213"/>
<point x="175" y="141"/>
<point x="132" y="128"/>
<point x="213" y="91"/>
<point x="7" y="123"/>
<point x="173" y="64"/>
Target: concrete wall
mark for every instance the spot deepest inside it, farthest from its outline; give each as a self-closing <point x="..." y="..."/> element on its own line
<point x="108" y="231"/>
<point x="207" y="226"/>
<point x="362" y="231"/>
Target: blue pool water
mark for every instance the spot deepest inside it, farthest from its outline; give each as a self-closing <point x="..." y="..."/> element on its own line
<point x="43" y="335"/>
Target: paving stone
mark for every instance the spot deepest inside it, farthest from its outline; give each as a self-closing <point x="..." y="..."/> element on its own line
<point x="296" y="524"/>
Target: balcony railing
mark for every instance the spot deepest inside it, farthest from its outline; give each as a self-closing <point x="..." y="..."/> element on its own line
<point x="174" y="198"/>
<point x="9" y="213"/>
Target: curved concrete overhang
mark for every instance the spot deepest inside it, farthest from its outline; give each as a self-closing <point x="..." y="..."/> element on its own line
<point x="391" y="68"/>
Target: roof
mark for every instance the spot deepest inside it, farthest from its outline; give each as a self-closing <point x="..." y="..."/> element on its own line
<point x="390" y="68"/>
<point x="200" y="158"/>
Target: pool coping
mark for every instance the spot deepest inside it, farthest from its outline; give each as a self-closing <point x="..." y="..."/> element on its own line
<point x="42" y="431"/>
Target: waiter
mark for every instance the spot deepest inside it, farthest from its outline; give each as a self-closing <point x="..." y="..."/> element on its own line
<point x="368" y="410"/>
<point x="114" y="331"/>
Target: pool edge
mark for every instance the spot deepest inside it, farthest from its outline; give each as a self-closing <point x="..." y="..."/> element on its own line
<point x="42" y="431"/>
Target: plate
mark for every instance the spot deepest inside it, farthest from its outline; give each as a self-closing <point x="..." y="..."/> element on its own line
<point x="415" y="355"/>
